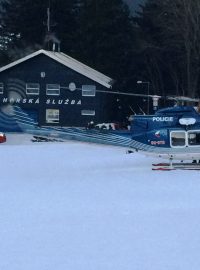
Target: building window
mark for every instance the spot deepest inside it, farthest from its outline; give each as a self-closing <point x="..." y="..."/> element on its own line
<point x="52" y="116"/>
<point x="32" y="88"/>
<point x="53" y="89"/>
<point x="88" y="90"/>
<point x="1" y="88"/>
<point x="88" y="112"/>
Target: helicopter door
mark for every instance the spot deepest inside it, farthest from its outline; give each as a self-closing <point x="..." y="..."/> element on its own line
<point x="178" y="138"/>
<point x="194" y="138"/>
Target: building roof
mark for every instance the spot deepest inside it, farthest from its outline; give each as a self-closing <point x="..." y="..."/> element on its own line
<point x="70" y="63"/>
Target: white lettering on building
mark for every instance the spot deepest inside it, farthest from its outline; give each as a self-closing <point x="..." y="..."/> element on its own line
<point x="66" y="101"/>
<point x="11" y="100"/>
<point x="37" y="101"/>
<point x="73" y="102"/>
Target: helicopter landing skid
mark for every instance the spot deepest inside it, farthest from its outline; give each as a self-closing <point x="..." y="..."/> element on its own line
<point x="176" y="166"/>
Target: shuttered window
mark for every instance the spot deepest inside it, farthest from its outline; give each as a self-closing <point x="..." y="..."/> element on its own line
<point x="88" y="90"/>
<point x="88" y="112"/>
<point x="1" y="88"/>
<point x="53" y="89"/>
<point x="32" y="88"/>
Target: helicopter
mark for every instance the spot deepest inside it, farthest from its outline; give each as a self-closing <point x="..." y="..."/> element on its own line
<point x="171" y="133"/>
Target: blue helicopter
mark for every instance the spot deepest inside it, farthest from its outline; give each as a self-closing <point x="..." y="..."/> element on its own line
<point x="172" y="133"/>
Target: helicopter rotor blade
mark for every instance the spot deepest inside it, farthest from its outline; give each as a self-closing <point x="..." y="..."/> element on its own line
<point x="167" y="97"/>
<point x="128" y="94"/>
<point x="182" y="98"/>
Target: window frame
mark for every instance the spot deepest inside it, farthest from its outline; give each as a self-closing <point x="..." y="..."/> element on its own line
<point x="52" y="120"/>
<point x="53" y="89"/>
<point x="187" y="143"/>
<point x="1" y="88"/>
<point x="185" y="137"/>
<point x="86" y="92"/>
<point x="88" y="112"/>
<point x="36" y="88"/>
<point x="194" y="132"/>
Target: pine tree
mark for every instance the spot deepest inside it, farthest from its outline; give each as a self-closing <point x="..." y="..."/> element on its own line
<point x="26" y="21"/>
<point x="171" y="50"/>
<point x="106" y="36"/>
<point x="99" y="33"/>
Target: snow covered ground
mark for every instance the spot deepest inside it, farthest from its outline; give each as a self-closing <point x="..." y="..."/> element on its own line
<point x="80" y="206"/>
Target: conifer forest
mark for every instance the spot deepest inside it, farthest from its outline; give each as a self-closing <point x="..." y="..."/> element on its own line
<point x="158" y="44"/>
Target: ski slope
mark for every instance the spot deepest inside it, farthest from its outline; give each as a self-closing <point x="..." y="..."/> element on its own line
<point x="81" y="206"/>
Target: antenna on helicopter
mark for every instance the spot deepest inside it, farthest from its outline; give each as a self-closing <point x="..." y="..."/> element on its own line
<point x="132" y="110"/>
<point x="141" y="110"/>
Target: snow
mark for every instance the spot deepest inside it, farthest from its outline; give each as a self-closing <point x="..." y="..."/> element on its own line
<point x="82" y="206"/>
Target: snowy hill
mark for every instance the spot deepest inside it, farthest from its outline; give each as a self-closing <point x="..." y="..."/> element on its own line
<point x="82" y="206"/>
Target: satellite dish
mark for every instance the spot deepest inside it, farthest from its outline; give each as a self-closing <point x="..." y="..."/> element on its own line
<point x="72" y="86"/>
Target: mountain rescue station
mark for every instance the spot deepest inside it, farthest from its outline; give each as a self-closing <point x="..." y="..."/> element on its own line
<point x="55" y="89"/>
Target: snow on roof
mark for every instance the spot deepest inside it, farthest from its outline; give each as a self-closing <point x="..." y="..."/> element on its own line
<point x="70" y="63"/>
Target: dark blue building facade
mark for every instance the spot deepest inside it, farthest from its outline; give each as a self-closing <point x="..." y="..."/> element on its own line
<point x="55" y="90"/>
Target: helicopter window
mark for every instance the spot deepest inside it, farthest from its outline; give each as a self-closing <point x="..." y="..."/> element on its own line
<point x="194" y="138"/>
<point x="178" y="138"/>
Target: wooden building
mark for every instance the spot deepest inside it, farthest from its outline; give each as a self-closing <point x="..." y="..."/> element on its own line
<point x="55" y="89"/>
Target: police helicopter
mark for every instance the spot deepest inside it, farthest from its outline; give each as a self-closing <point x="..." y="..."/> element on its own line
<point x="171" y="133"/>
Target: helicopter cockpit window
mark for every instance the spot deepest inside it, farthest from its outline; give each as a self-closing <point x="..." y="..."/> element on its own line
<point x="178" y="138"/>
<point x="194" y="138"/>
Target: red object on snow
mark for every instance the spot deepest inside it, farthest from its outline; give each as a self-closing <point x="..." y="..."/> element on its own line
<point x="2" y="137"/>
